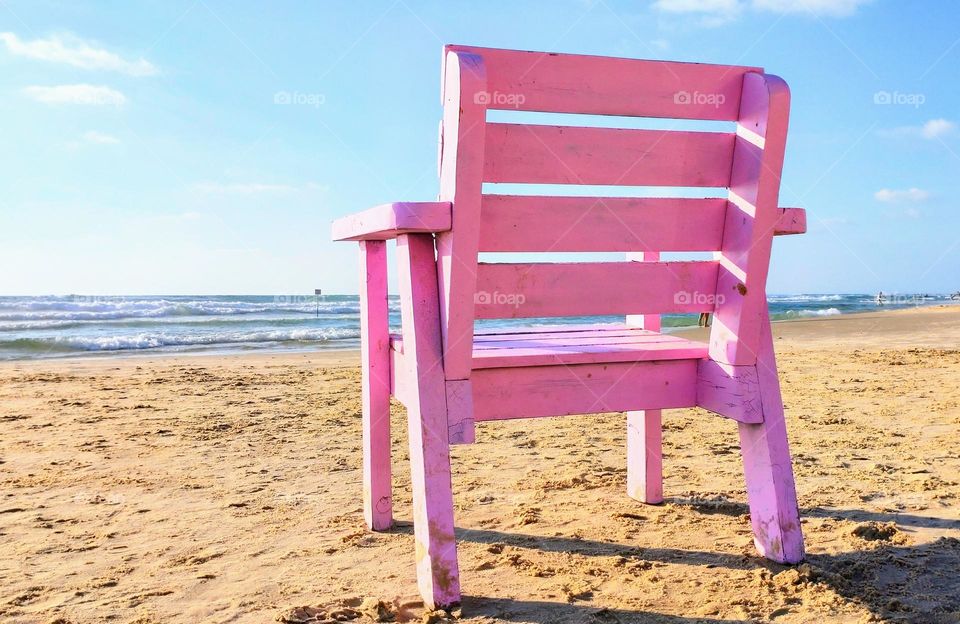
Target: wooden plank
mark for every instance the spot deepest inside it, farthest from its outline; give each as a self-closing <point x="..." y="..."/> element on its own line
<point x="731" y="391"/>
<point x="505" y="393"/>
<point x="791" y="221"/>
<point x="751" y="220"/>
<point x="768" y="468"/>
<point x="649" y="321"/>
<point x="586" y="347"/>
<point x="556" y="331"/>
<point x="518" y="223"/>
<point x="540" y="154"/>
<point x="644" y="427"/>
<point x="599" y="336"/>
<point x="593" y="288"/>
<point x="645" y="456"/>
<point x="375" y="385"/>
<point x="584" y="354"/>
<point x="574" y="83"/>
<point x="461" y="179"/>
<point x="438" y="575"/>
<point x="400" y="383"/>
<point x="483" y="341"/>
<point x="388" y="221"/>
<point x="557" y="328"/>
<point x="460" y="425"/>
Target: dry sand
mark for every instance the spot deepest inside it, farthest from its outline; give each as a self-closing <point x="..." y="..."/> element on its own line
<point x="226" y="489"/>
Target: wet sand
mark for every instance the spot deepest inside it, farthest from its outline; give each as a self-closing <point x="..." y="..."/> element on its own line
<point x="226" y="489"/>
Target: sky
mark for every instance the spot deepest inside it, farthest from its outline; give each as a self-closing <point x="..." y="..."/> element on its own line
<point x="203" y="147"/>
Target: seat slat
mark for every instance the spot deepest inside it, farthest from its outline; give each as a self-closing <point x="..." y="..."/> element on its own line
<point x="576" y="347"/>
<point x="495" y="332"/>
<point x="576" y="334"/>
<point x="539" y="154"/>
<point x="595" y="340"/>
<point x="573" y="83"/>
<point x="586" y="335"/>
<point x="521" y="223"/>
<point x="585" y="354"/>
<point x="526" y="290"/>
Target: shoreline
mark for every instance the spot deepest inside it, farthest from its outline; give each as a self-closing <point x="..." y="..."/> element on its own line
<point x="334" y="356"/>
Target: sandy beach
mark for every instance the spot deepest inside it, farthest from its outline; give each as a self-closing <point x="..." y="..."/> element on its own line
<point x="227" y="489"/>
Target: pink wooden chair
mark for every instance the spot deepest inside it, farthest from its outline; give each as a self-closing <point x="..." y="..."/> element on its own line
<point x="450" y="376"/>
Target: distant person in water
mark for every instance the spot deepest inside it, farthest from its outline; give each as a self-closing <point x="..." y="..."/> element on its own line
<point x="880" y="298"/>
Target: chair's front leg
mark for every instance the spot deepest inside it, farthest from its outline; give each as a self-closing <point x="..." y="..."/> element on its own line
<point x="375" y="383"/>
<point x="436" y="551"/>
<point x="768" y="468"/>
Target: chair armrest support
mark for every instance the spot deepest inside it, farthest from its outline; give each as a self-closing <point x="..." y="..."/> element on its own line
<point x="388" y="221"/>
<point x="791" y="221"/>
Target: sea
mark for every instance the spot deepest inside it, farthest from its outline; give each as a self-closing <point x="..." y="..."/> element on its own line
<point x="82" y="325"/>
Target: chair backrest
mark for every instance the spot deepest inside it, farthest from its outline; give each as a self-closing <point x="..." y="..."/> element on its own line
<point x="737" y="227"/>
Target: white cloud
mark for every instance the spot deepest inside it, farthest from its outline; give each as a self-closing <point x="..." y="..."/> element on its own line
<point x="717" y="12"/>
<point x="933" y="129"/>
<point x="182" y="217"/>
<point x="828" y="221"/>
<point x="243" y="188"/>
<point x="911" y="195"/>
<point x="936" y="128"/>
<point x="827" y="8"/>
<point x="98" y="137"/>
<point x="73" y="51"/>
<point x="697" y="6"/>
<point x="660" y="44"/>
<point x="711" y="12"/>
<point x="252" y="188"/>
<point x="76" y="94"/>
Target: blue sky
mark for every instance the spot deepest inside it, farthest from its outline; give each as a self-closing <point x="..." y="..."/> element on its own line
<point x="145" y="148"/>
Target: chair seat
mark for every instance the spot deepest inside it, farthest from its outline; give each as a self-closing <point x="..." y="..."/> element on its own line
<point x="574" y="344"/>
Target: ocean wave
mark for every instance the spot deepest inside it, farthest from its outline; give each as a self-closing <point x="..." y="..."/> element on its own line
<point x="808" y="313"/>
<point x="102" y="310"/>
<point x="35" y="325"/>
<point x="805" y="298"/>
<point x="194" y="322"/>
<point x="153" y="340"/>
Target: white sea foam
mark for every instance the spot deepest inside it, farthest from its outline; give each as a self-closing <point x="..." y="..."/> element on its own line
<point x="34" y="325"/>
<point x="94" y="309"/>
<point x="152" y="340"/>
<point x="807" y="298"/>
<point x="824" y="312"/>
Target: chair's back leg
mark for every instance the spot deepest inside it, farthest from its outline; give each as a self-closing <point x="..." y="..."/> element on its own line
<point x="771" y="492"/>
<point x="644" y="456"/>
<point x="375" y="383"/>
<point x="644" y="434"/>
<point x="436" y="551"/>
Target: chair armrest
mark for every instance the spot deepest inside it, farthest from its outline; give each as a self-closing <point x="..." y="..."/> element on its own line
<point x="791" y="221"/>
<point x="388" y="221"/>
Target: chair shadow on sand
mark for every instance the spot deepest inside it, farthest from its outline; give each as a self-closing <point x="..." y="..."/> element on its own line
<point x="896" y="583"/>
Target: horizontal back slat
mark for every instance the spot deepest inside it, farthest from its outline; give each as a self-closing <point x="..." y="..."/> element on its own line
<point x="521" y="223"/>
<point x="538" y="154"/>
<point x="573" y="83"/>
<point x="526" y="290"/>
